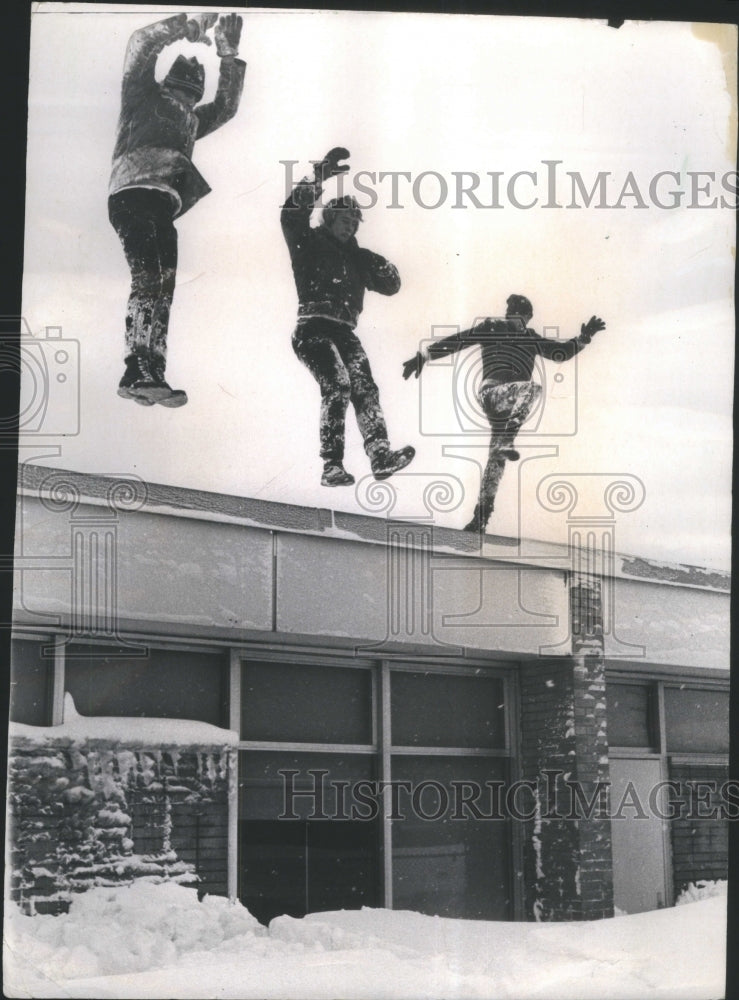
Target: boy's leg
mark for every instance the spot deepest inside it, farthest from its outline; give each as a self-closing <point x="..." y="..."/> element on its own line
<point x="313" y="343"/>
<point x="160" y="318"/>
<point x="526" y="397"/>
<point x="143" y="221"/>
<point x="365" y="397"/>
<point x="507" y="406"/>
<point x="488" y="488"/>
<point x="364" y="394"/>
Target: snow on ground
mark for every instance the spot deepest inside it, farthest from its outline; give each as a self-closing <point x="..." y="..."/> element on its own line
<point x="151" y="941"/>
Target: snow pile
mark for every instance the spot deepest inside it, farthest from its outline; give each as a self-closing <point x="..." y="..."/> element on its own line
<point x="703" y="889"/>
<point x="134" y="731"/>
<point x="152" y="941"/>
<point x="110" y="931"/>
<point x="663" y="953"/>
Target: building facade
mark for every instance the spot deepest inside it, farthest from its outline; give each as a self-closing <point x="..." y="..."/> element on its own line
<point x="410" y="720"/>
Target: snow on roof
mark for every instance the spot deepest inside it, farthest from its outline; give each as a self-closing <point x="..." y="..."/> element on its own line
<point x="128" y="730"/>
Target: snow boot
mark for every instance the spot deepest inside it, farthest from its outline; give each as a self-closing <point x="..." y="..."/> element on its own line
<point x="174" y="397"/>
<point x="334" y="474"/>
<point x="480" y="519"/>
<point x="386" y="462"/>
<point x="140" y="383"/>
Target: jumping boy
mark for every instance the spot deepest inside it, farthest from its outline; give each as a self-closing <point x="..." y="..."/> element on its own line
<point x="507" y="395"/>
<point x="331" y="274"/>
<point x="153" y="180"/>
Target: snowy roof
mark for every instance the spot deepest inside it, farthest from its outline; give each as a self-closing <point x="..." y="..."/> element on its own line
<point x="176" y="501"/>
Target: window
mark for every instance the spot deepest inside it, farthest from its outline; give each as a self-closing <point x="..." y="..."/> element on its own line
<point x="301" y="848"/>
<point x="446" y="862"/>
<point x="384" y="775"/>
<point x="314" y="704"/>
<point x="174" y="684"/>
<point x="696" y="720"/>
<point x="435" y="710"/>
<point x="630" y="715"/>
<point x="31" y="677"/>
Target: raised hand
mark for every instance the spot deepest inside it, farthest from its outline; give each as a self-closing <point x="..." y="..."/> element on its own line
<point x="198" y="25"/>
<point x="589" y="329"/>
<point x="329" y="166"/>
<point x="413" y="366"/>
<point x="228" y="34"/>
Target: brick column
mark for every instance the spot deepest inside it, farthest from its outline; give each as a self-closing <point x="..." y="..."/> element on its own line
<point x="568" y="869"/>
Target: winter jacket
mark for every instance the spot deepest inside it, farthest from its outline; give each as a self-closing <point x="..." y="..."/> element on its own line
<point x="508" y="350"/>
<point x="156" y="133"/>
<point x="330" y="276"/>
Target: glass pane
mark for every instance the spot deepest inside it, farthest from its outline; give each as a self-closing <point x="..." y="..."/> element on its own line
<point x="163" y="683"/>
<point x="433" y="710"/>
<point x="697" y="720"/>
<point x="303" y="847"/>
<point x="30" y="683"/>
<point x="268" y="791"/>
<point x="628" y="715"/>
<point x="452" y="867"/>
<point x="296" y="703"/>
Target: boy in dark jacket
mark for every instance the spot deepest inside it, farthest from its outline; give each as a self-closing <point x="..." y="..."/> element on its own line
<point x="507" y="395"/>
<point x="154" y="181"/>
<point x="331" y="274"/>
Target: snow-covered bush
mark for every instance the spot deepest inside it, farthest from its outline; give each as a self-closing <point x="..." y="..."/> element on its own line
<point x="703" y="889"/>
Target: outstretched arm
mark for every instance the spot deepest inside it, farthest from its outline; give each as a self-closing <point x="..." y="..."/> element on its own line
<point x="563" y="350"/>
<point x="230" y="79"/>
<point x="447" y="345"/>
<point x="145" y="45"/>
<point x="296" y="212"/>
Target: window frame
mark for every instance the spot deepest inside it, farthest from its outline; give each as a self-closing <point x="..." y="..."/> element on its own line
<point x="657" y="682"/>
<point x="382" y="748"/>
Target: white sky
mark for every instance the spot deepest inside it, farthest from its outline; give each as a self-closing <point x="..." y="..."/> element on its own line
<point x="409" y="92"/>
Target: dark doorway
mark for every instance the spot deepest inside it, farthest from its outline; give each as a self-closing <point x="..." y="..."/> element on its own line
<point x="304" y="866"/>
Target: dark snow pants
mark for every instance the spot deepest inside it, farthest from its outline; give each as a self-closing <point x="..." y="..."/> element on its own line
<point x="142" y="217"/>
<point x="335" y="358"/>
<point x="506" y="405"/>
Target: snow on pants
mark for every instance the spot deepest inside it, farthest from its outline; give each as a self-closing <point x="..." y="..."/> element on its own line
<point x="335" y="358"/>
<point x="142" y="218"/>
<point x="506" y="405"/>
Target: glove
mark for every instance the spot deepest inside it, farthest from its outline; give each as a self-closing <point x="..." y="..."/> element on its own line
<point x="589" y="329"/>
<point x="414" y="366"/>
<point x="227" y="35"/>
<point x="329" y="165"/>
<point x="197" y="26"/>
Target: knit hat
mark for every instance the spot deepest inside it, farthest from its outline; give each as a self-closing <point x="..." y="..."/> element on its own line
<point x="519" y="305"/>
<point x="345" y="204"/>
<point x="187" y="74"/>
